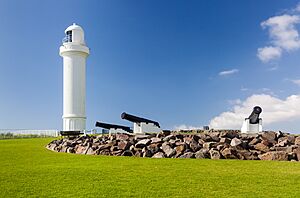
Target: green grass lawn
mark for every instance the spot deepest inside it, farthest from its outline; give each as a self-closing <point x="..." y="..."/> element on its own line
<point x="27" y="169"/>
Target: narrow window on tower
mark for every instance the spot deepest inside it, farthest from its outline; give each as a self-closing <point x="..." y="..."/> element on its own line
<point x="69" y="36"/>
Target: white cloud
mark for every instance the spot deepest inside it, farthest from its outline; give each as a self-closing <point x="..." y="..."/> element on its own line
<point x="283" y="35"/>
<point x="275" y="111"/>
<point x="228" y="72"/>
<point x="266" y="54"/>
<point x="244" y="89"/>
<point x="185" y="127"/>
<point x="297" y="9"/>
<point x="282" y="31"/>
<point x="296" y="81"/>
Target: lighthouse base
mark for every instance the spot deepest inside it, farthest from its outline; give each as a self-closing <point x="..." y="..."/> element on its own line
<point x="74" y="124"/>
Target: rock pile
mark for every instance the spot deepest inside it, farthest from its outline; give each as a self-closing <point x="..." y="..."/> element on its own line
<point x="211" y="144"/>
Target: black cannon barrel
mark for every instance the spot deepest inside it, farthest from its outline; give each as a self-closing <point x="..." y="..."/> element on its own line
<point x="112" y="126"/>
<point x="254" y="117"/>
<point x="133" y="118"/>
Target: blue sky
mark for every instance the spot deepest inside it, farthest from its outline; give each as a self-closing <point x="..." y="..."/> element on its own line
<point x="183" y="63"/>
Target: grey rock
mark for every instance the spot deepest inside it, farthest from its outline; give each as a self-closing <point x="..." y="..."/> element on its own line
<point x="169" y="137"/>
<point x="200" y="155"/>
<point x="235" y="142"/>
<point x="297" y="153"/>
<point x="168" y="150"/>
<point x="247" y="155"/>
<point x="180" y="149"/>
<point x="261" y="147"/>
<point x="127" y="153"/>
<point x="297" y="140"/>
<point x="270" y="137"/>
<point x="220" y="147"/>
<point x="154" y="148"/>
<point x="156" y="140"/>
<point x="208" y="145"/>
<point x="195" y="146"/>
<point x="80" y="149"/>
<point x="104" y="152"/>
<point x="158" y="155"/>
<point x="187" y="140"/>
<point x="254" y="141"/>
<point x="282" y="143"/>
<point x="142" y="143"/>
<point x="274" y="155"/>
<point x="51" y="146"/>
<point x="138" y="153"/>
<point x="225" y="140"/>
<point x="214" y="154"/>
<point x="229" y="134"/>
<point x="71" y="150"/>
<point x="122" y="136"/>
<point x="114" y="148"/>
<point x="228" y="153"/>
<point x="146" y="152"/>
<point x="123" y="145"/>
<point x="188" y="155"/>
<point x="63" y="149"/>
<point x="140" y="137"/>
<point x="90" y="151"/>
<point x="279" y="134"/>
<point x="214" y="136"/>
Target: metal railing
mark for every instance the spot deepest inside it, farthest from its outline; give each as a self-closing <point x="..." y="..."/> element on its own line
<point x="67" y="39"/>
<point x="53" y="133"/>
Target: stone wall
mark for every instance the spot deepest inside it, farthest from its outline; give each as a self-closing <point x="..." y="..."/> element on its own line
<point x="210" y="144"/>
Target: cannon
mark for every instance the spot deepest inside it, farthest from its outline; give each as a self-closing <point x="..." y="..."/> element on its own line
<point x="142" y="125"/>
<point x="113" y="128"/>
<point x="254" y="117"/>
<point x="253" y="124"/>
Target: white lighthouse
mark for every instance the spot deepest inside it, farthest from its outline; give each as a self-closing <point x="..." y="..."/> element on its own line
<point x="74" y="53"/>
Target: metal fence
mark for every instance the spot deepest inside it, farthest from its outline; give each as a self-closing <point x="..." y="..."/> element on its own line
<point x="53" y="133"/>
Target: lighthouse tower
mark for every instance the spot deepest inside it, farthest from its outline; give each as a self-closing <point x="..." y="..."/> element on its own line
<point x="74" y="53"/>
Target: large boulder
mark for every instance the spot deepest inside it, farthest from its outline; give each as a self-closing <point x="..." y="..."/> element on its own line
<point x="51" y="146"/>
<point x="169" y="152"/>
<point x="229" y="134"/>
<point x="122" y="136"/>
<point x="127" y="153"/>
<point x="155" y="140"/>
<point x="180" y="149"/>
<point x="80" y="149"/>
<point x="188" y="155"/>
<point x="200" y="155"/>
<point x="225" y="140"/>
<point x="214" y="154"/>
<point x="123" y="145"/>
<point x="297" y="140"/>
<point x="297" y="153"/>
<point x="254" y="141"/>
<point x="228" y="153"/>
<point x="158" y="155"/>
<point x="169" y="137"/>
<point x="195" y="146"/>
<point x="90" y="151"/>
<point x="269" y="137"/>
<point x="214" y="136"/>
<point x="235" y="142"/>
<point x="209" y="145"/>
<point x="142" y="143"/>
<point x="274" y="155"/>
<point x="261" y="147"/>
<point x="247" y="155"/>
